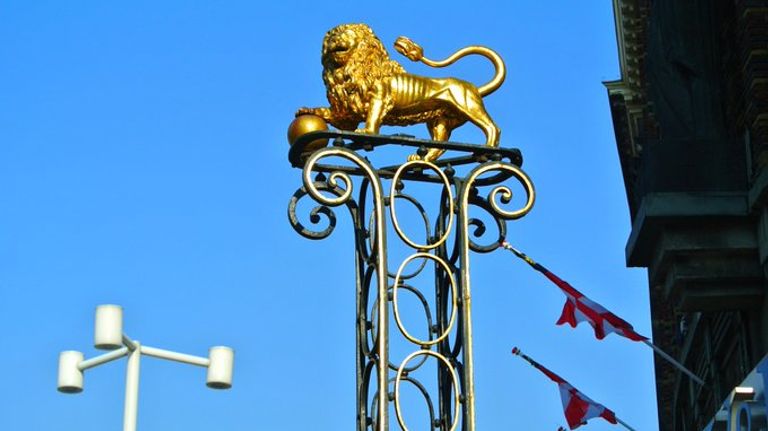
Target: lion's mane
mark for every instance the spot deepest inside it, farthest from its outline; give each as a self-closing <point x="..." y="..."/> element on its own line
<point x="348" y="84"/>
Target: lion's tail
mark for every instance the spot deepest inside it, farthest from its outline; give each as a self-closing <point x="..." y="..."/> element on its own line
<point x="413" y="51"/>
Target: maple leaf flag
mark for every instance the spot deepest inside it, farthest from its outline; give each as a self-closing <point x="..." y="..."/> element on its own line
<point x="578" y="308"/>
<point x="578" y="408"/>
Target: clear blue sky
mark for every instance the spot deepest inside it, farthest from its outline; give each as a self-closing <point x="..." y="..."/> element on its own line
<point x="143" y="162"/>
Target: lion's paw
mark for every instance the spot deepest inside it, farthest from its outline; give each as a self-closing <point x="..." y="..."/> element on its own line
<point x="305" y="111"/>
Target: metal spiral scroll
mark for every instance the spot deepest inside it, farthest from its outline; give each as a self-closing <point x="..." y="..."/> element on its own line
<point x="449" y="327"/>
<point x="501" y="194"/>
<point x="318" y="212"/>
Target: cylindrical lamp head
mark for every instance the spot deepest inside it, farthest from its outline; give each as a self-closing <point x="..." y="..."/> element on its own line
<point x="108" y="333"/>
<point x="220" y="369"/>
<point x="70" y="376"/>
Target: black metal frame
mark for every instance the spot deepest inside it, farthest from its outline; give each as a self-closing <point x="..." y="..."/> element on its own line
<point x="501" y="163"/>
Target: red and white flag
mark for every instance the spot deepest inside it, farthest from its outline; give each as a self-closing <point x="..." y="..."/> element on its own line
<point x="578" y="308"/>
<point x="578" y="408"/>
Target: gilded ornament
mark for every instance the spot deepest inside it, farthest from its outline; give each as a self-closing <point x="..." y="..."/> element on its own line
<point x="364" y="85"/>
<point x="304" y="124"/>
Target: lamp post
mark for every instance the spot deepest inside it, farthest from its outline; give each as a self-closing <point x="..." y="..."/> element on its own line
<point x="108" y="335"/>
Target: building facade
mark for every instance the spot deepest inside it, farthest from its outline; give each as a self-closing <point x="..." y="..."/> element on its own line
<point x="690" y="114"/>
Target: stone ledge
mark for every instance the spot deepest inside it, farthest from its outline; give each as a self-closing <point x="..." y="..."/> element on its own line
<point x="701" y="248"/>
<point x="714" y="283"/>
<point x="663" y="210"/>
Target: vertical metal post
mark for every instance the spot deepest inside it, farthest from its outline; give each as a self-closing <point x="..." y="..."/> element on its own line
<point x="130" y="413"/>
<point x="361" y="321"/>
<point x="382" y="279"/>
<point x="378" y="357"/>
<point x="467" y="189"/>
<point x="468" y="376"/>
<point x="443" y="302"/>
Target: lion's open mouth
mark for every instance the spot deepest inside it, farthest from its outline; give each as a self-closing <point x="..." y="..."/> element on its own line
<point x="338" y="49"/>
<point x="337" y="54"/>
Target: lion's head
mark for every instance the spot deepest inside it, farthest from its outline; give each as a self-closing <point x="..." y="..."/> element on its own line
<point x="353" y="60"/>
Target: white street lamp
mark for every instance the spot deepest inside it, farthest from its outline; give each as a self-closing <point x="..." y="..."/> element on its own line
<point x="108" y="335"/>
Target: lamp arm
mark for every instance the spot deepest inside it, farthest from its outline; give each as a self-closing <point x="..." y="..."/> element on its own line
<point x="173" y="356"/>
<point x="102" y="359"/>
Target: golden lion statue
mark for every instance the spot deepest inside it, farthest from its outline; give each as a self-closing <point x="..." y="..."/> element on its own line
<point x="364" y="85"/>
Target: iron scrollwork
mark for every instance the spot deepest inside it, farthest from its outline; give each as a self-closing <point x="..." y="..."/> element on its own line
<point x="445" y="247"/>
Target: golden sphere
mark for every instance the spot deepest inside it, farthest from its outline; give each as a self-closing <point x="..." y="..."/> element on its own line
<point x="304" y="124"/>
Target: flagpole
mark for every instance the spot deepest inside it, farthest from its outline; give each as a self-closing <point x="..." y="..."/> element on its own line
<point x="624" y="424"/>
<point x="672" y="361"/>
